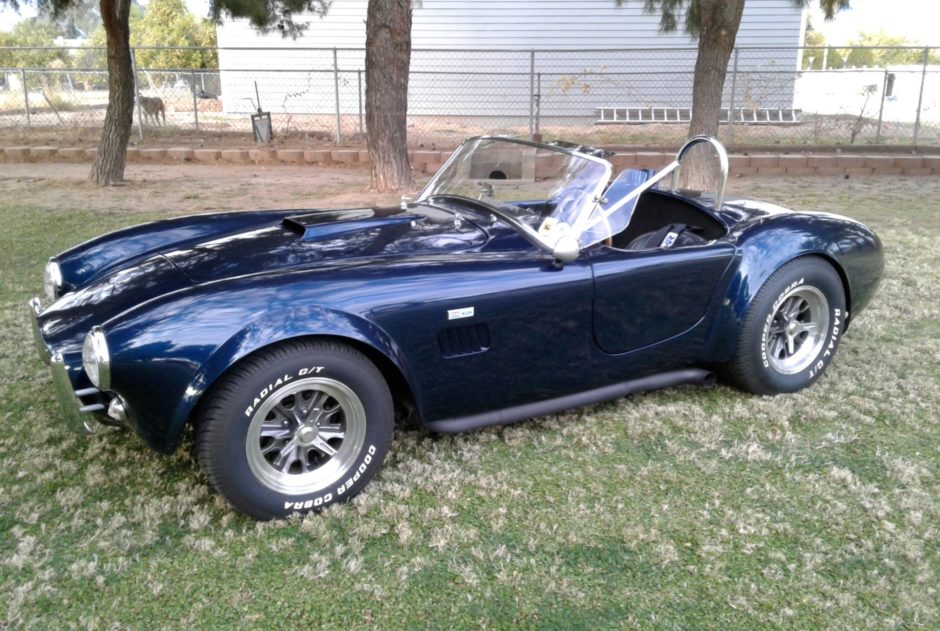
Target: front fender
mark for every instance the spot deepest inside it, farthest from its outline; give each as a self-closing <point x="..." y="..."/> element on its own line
<point x="165" y="356"/>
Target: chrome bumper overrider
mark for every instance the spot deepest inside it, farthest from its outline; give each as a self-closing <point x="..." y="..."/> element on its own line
<point x="74" y="413"/>
<point x="35" y="308"/>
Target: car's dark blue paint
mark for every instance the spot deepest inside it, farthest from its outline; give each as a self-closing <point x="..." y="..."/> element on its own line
<point x="182" y="301"/>
<point x="767" y="242"/>
<point x="65" y="323"/>
<point x="89" y="261"/>
<point x="280" y="247"/>
<point x="645" y="297"/>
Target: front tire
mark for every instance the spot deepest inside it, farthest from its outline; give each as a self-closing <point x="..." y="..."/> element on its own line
<point x="295" y="428"/>
<point x="792" y="329"/>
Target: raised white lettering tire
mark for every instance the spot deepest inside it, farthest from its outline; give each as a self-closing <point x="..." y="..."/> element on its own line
<point x="792" y="329"/>
<point x="295" y="428"/>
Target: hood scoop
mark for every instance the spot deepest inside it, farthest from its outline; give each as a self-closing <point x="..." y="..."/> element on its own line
<point x="323" y="225"/>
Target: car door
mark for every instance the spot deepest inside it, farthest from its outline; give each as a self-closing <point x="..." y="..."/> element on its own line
<point x="645" y="297"/>
<point x="492" y="331"/>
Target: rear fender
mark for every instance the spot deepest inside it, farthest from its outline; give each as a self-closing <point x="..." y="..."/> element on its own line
<point x="760" y="254"/>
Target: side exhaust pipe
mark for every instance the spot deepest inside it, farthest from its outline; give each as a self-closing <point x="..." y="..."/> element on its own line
<point x="686" y="376"/>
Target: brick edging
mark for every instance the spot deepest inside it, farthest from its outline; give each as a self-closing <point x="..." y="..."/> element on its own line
<point x="428" y="161"/>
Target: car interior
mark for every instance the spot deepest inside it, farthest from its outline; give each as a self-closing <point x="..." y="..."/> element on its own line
<point x="659" y="220"/>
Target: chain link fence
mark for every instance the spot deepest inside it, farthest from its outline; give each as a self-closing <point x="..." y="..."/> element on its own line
<point x="625" y="96"/>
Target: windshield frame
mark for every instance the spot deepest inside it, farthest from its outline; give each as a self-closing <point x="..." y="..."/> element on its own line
<point x="532" y="235"/>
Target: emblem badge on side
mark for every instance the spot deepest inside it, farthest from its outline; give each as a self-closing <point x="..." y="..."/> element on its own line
<point x="456" y="314"/>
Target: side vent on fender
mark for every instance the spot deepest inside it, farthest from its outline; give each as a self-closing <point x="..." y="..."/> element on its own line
<point x="460" y="341"/>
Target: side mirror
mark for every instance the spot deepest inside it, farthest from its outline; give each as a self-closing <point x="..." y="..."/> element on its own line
<point x="566" y="249"/>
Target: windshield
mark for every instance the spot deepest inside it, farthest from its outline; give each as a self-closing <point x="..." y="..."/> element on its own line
<point x="544" y="191"/>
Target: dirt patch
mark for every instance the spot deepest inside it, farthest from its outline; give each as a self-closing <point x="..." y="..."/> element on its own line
<point x="169" y="136"/>
<point x="191" y="187"/>
<point x="194" y="187"/>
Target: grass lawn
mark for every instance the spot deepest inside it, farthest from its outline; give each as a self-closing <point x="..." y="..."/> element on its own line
<point x="687" y="508"/>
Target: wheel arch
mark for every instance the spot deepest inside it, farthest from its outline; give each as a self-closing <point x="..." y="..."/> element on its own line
<point x="755" y="267"/>
<point x="362" y="336"/>
<point x="402" y="393"/>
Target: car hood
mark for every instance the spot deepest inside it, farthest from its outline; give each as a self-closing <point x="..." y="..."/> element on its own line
<point x="259" y="244"/>
<point x="315" y="237"/>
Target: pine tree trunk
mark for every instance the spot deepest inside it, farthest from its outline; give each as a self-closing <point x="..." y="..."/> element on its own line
<point x="111" y="158"/>
<point x="388" y="58"/>
<point x="720" y="20"/>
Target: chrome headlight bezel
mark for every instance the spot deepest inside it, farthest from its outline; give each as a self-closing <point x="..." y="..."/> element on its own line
<point x="52" y="280"/>
<point x="95" y="358"/>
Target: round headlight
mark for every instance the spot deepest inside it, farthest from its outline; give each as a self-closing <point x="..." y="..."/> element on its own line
<point x="95" y="359"/>
<point x="52" y="279"/>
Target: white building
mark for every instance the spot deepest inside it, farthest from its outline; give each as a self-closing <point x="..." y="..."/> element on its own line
<point x="474" y="58"/>
<point x="894" y="91"/>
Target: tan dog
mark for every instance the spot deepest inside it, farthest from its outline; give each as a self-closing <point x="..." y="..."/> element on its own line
<point x="152" y="107"/>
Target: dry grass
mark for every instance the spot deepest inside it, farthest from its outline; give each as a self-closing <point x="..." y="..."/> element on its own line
<point x="686" y="508"/>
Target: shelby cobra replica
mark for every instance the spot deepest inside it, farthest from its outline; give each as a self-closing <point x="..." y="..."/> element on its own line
<point x="524" y="280"/>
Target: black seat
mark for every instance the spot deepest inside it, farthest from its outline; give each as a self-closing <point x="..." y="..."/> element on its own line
<point x="669" y="236"/>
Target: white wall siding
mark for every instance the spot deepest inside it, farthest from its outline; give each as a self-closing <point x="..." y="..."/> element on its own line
<point x="573" y="39"/>
<point x="525" y="24"/>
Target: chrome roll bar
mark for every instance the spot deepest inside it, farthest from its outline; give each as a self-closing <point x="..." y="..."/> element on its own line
<point x="722" y="162"/>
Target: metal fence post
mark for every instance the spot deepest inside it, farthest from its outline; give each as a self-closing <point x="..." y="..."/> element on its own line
<point x="881" y="109"/>
<point x="531" y="93"/>
<point x="339" y="129"/>
<point x="920" y="97"/>
<point x="29" y="122"/>
<point x="359" y="83"/>
<point x="538" y="104"/>
<point x="192" y="83"/>
<point x="140" y="120"/>
<point x="734" y="88"/>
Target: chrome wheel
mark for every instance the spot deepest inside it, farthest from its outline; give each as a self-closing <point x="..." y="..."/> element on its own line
<point x="797" y="330"/>
<point x="306" y="435"/>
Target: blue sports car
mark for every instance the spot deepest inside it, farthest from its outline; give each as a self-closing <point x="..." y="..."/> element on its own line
<point x="525" y="279"/>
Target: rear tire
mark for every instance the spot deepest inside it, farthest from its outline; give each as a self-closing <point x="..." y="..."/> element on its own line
<point x="295" y="428"/>
<point x="792" y="329"/>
